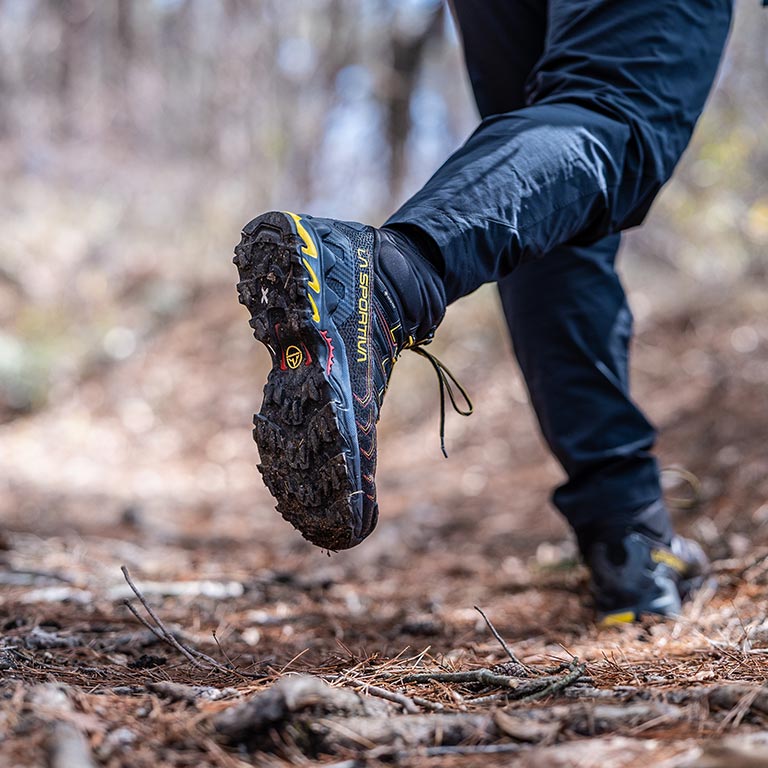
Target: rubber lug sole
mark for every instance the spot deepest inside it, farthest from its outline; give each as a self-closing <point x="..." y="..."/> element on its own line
<point x="297" y="431"/>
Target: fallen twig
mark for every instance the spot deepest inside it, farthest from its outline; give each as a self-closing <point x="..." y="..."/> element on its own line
<point x="525" y="689"/>
<point x="380" y="737"/>
<point x="336" y="719"/>
<point x="195" y="657"/>
<point x="406" y="702"/>
<point x="501" y="640"/>
<point x="162" y="632"/>
<point x="434" y="706"/>
<point x="477" y="676"/>
<point x="190" y="694"/>
<point x="166" y="637"/>
<point x="577" y="670"/>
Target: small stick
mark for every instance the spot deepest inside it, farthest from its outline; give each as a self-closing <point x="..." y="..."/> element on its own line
<point x="527" y="690"/>
<point x="481" y="676"/>
<point x="407" y="703"/>
<point x="577" y="670"/>
<point x="154" y="630"/>
<point x="221" y="650"/>
<point x="573" y="658"/>
<point x="165" y="637"/>
<point x="501" y="640"/>
<point x="163" y="633"/>
<point x="489" y="698"/>
<point x="295" y="658"/>
<point x="166" y="633"/>
<point x="435" y="706"/>
<point x="404" y="701"/>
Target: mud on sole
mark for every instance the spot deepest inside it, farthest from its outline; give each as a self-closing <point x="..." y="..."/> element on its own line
<point x="297" y="429"/>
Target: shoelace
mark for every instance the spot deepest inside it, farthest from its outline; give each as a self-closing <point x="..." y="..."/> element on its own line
<point x="687" y="478"/>
<point x="446" y="379"/>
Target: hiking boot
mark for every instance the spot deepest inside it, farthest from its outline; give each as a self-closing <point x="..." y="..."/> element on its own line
<point x="643" y="569"/>
<point x="334" y="303"/>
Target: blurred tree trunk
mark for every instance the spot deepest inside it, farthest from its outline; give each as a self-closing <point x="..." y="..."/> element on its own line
<point x="5" y="90"/>
<point x="408" y="52"/>
<point x="124" y="29"/>
<point x="334" y="52"/>
<point x="178" y="75"/>
<point x="120" y="62"/>
<point x="71" y="16"/>
<point x="4" y="106"/>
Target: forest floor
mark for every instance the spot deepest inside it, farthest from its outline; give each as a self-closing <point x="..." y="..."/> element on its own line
<point x="147" y="462"/>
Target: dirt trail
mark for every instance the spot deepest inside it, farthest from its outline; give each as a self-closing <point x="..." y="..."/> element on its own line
<point x="149" y="464"/>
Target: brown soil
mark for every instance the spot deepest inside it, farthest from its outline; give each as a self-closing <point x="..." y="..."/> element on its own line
<point x="149" y="463"/>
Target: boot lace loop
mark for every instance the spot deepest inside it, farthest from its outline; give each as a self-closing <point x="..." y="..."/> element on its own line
<point x="447" y="382"/>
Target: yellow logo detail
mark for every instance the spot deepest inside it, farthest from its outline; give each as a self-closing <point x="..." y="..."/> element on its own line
<point x="667" y="558"/>
<point x="294" y="357"/>
<point x="310" y="249"/>
<point x="363" y="310"/>
<point x="314" y="283"/>
<point x="615" y="619"/>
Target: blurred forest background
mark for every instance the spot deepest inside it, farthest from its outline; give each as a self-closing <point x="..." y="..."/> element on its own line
<point x="137" y="136"/>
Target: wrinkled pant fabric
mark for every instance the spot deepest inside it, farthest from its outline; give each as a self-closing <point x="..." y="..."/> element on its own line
<point x="587" y="106"/>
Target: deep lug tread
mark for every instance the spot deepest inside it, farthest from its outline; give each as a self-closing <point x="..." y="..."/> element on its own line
<point x="297" y="429"/>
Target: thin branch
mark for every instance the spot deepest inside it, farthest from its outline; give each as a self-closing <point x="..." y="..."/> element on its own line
<point x="154" y="630"/>
<point x="524" y="690"/>
<point x="396" y="697"/>
<point x="478" y="676"/>
<point x="166" y="634"/>
<point x="163" y="636"/>
<point x="434" y="706"/>
<point x="407" y="703"/>
<point x="491" y="697"/>
<point x="230" y="663"/>
<point x="162" y="632"/>
<point x="501" y="640"/>
<point x="294" y="659"/>
<point x="577" y="670"/>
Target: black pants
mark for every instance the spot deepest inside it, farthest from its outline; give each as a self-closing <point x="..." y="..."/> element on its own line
<point x="587" y="106"/>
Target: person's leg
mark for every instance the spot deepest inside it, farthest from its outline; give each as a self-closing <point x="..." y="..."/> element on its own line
<point x="572" y="347"/>
<point x="335" y="302"/>
<point x="612" y="104"/>
<point x="502" y="42"/>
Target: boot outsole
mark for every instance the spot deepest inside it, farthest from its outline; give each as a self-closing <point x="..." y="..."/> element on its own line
<point x="297" y="430"/>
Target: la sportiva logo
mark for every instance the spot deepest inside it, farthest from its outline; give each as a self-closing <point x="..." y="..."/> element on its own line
<point x="363" y="304"/>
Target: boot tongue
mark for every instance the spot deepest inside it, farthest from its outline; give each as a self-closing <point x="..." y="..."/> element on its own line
<point x="413" y="284"/>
